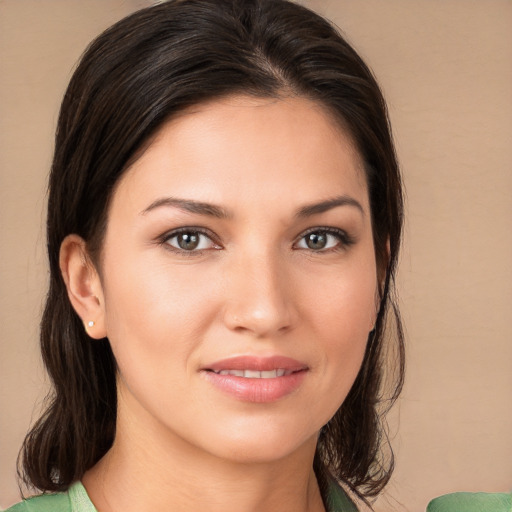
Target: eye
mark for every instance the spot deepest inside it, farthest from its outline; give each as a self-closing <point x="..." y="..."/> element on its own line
<point x="324" y="239"/>
<point x="189" y="240"/>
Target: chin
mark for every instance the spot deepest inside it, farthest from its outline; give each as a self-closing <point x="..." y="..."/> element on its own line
<point x="265" y="444"/>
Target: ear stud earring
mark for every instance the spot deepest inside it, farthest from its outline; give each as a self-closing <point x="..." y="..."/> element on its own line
<point x="90" y="324"/>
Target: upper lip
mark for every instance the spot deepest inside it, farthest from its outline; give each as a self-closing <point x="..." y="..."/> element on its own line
<point x="257" y="363"/>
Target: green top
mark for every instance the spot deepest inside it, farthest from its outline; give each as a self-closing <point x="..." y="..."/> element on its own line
<point x="77" y="500"/>
<point x="472" y="502"/>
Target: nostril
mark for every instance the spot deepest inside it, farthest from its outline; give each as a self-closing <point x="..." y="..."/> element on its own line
<point x="263" y="311"/>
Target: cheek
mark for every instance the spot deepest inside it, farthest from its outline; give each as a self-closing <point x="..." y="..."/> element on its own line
<point x="153" y="324"/>
<point x="344" y="316"/>
<point x="347" y="302"/>
<point x="155" y="313"/>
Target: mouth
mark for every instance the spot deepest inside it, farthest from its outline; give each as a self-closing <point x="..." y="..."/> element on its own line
<point x="256" y="379"/>
<point x="255" y="374"/>
<point x="256" y="367"/>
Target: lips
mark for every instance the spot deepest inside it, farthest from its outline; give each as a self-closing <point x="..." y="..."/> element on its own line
<point x="256" y="379"/>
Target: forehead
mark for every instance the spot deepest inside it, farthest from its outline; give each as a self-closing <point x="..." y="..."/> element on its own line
<point x="241" y="145"/>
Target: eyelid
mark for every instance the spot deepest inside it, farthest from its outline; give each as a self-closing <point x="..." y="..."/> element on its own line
<point x="345" y="240"/>
<point x="164" y="239"/>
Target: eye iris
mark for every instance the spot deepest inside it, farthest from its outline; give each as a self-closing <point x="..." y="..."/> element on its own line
<point x="188" y="241"/>
<point x="316" y="240"/>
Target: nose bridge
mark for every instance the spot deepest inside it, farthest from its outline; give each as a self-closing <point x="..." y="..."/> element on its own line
<point x="259" y="300"/>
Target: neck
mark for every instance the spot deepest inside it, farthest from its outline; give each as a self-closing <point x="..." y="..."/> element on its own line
<point x="162" y="472"/>
<point x="136" y="480"/>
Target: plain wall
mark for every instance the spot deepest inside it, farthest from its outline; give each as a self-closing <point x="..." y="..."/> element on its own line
<point x="446" y="70"/>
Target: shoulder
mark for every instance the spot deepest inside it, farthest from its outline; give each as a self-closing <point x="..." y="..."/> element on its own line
<point x="75" y="499"/>
<point x="472" y="502"/>
<point x="58" y="502"/>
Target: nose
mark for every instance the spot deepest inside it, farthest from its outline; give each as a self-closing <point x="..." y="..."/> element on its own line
<point x="261" y="300"/>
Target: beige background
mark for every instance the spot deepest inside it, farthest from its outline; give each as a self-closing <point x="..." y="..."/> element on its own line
<point x="446" y="69"/>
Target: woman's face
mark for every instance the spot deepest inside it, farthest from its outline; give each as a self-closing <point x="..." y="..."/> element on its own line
<point x="239" y="278"/>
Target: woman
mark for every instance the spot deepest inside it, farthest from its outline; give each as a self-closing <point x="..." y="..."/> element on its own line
<point x="224" y="220"/>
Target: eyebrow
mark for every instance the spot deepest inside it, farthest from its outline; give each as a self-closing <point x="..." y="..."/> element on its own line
<point x="211" y="210"/>
<point x="190" y="206"/>
<point x="329" y="204"/>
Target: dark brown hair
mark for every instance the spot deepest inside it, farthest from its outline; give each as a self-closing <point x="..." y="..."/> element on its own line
<point x="133" y="78"/>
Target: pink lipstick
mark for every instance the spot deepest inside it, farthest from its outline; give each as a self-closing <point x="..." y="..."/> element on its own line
<point x="256" y="379"/>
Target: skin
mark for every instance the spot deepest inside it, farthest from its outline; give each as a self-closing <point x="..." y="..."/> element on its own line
<point x="253" y="287"/>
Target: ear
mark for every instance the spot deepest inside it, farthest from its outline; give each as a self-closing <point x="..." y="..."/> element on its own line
<point x="382" y="269"/>
<point x="83" y="284"/>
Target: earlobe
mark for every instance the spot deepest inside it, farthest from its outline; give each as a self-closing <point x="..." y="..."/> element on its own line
<point x="83" y="284"/>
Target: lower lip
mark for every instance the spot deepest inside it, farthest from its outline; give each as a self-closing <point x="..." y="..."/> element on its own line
<point x="256" y="390"/>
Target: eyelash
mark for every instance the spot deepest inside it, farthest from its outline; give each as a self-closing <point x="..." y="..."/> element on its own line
<point x="164" y="240"/>
<point x="344" y="239"/>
